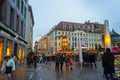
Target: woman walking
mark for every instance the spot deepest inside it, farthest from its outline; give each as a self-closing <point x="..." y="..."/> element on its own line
<point x="8" y="67"/>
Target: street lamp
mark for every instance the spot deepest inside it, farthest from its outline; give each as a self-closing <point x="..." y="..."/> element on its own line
<point x="80" y="52"/>
<point x="80" y="49"/>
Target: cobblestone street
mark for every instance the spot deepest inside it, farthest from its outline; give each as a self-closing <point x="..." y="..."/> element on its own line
<point x="47" y="72"/>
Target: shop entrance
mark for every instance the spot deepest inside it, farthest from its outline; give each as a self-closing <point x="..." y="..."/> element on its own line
<point x="1" y="50"/>
<point x="15" y="49"/>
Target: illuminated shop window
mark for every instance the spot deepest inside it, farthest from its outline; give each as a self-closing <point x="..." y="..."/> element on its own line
<point x="1" y="50"/>
<point x="21" y="55"/>
<point x="9" y="47"/>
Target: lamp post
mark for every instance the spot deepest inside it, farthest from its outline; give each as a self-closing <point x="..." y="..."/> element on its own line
<point x="80" y="49"/>
<point x="80" y="52"/>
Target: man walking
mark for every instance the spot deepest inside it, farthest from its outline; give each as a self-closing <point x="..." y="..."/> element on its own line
<point x="108" y="64"/>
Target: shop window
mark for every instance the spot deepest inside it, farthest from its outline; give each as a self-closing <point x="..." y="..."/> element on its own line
<point x="1" y="50"/>
<point x="9" y="47"/>
<point x="21" y="55"/>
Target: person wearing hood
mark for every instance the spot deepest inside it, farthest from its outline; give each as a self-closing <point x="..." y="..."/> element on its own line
<point x="108" y="64"/>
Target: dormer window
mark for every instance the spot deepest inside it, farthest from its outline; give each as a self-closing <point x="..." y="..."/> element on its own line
<point x="76" y="26"/>
<point x="64" y="26"/>
<point x="82" y="26"/>
<point x="70" y="27"/>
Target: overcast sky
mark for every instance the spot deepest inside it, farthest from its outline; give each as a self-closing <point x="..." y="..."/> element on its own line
<point x="48" y="13"/>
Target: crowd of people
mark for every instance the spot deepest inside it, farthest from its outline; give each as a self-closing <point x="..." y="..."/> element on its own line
<point x="10" y="62"/>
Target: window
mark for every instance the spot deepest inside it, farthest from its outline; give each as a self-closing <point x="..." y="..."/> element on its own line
<point x="18" y="3"/>
<point x="9" y="47"/>
<point x="64" y="27"/>
<point x="55" y="32"/>
<point x="58" y="32"/>
<point x="24" y="29"/>
<point x="12" y="18"/>
<point x="25" y="13"/>
<point x="18" y="24"/>
<point x="76" y="26"/>
<point x="62" y="32"/>
<point x="21" y="55"/>
<point x="70" y="27"/>
<point x="72" y="38"/>
<point x="21" y="29"/>
<point x="82" y="26"/>
<point x="22" y="4"/>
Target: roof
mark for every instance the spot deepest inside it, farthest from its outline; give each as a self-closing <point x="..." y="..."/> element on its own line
<point x="72" y="26"/>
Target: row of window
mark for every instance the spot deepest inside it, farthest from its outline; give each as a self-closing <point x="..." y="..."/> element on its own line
<point x="76" y="26"/>
<point x="21" y="6"/>
<point x="82" y="39"/>
<point x="82" y="34"/>
<point x="12" y="20"/>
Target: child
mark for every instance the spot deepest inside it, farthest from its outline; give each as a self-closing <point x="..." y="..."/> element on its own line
<point x="71" y="64"/>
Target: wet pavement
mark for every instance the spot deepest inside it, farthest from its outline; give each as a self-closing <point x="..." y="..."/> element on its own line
<point x="47" y="72"/>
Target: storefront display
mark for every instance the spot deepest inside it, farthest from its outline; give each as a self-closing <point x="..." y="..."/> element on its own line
<point x="9" y="47"/>
<point x="117" y="65"/>
<point x="1" y="50"/>
<point x="21" y="55"/>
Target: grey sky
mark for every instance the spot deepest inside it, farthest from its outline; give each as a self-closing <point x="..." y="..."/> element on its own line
<point x="48" y="13"/>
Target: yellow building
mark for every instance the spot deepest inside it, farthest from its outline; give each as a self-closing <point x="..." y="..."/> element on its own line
<point x="64" y="37"/>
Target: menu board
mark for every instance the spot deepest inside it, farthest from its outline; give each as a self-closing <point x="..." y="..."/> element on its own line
<point x="117" y="65"/>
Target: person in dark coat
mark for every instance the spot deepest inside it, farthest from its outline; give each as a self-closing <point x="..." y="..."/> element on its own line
<point x="62" y="59"/>
<point x="92" y="58"/>
<point x="108" y="64"/>
<point x="57" y="61"/>
<point x="35" y="59"/>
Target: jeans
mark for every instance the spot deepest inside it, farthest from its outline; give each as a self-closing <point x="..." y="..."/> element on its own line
<point x="109" y="76"/>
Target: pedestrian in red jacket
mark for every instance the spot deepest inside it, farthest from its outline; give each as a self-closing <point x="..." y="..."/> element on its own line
<point x="71" y="64"/>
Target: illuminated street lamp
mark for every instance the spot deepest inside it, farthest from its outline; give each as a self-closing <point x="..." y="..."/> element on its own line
<point x="107" y="39"/>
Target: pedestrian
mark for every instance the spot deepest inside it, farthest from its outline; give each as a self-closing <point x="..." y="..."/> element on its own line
<point x="62" y="59"/>
<point x="67" y="60"/>
<point x="8" y="66"/>
<point x="92" y="58"/>
<point x="108" y="64"/>
<point x="41" y="59"/>
<point x="57" y="61"/>
<point x="35" y="58"/>
<point x="71" y="64"/>
<point x="15" y="58"/>
<point x="28" y="60"/>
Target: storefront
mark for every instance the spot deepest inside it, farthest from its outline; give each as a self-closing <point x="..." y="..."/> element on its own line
<point x="10" y="46"/>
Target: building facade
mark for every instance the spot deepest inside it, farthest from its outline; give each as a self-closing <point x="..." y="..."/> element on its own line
<point x="30" y="27"/>
<point x="115" y="39"/>
<point x="64" y="37"/>
<point x="13" y="26"/>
